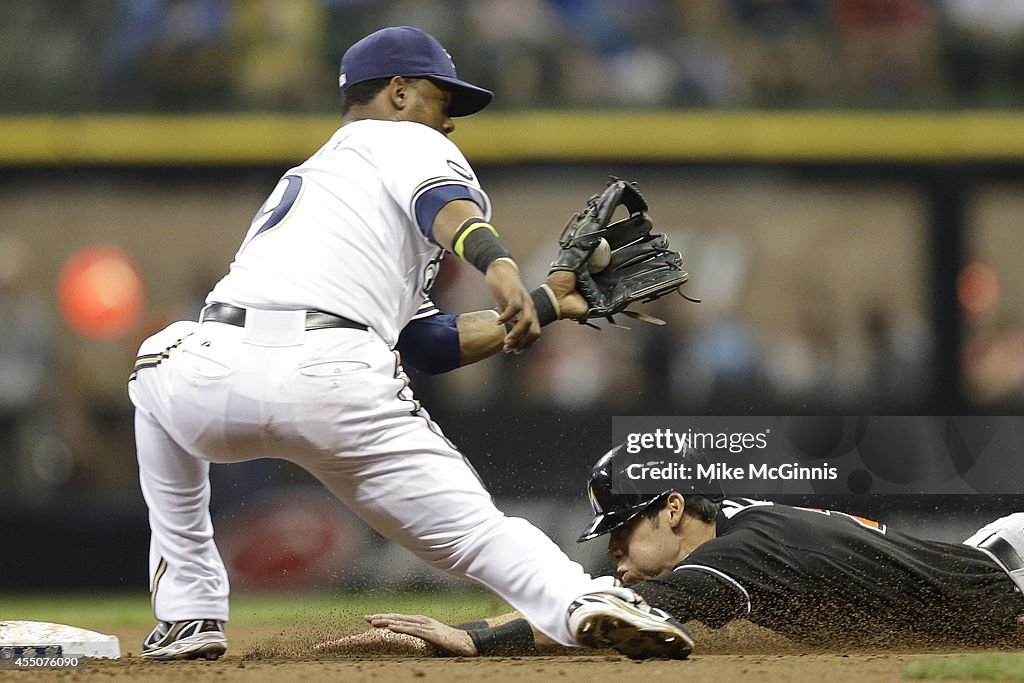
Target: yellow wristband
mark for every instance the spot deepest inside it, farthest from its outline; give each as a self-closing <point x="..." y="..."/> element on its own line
<point x="464" y="232"/>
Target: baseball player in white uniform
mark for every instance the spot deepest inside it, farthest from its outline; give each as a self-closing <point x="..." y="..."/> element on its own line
<point x="297" y="355"/>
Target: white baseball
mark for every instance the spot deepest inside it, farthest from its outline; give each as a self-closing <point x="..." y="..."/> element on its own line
<point x="600" y="257"/>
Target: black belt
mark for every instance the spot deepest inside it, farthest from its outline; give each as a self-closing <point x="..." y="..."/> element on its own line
<point x="1004" y="552"/>
<point x="315" y="320"/>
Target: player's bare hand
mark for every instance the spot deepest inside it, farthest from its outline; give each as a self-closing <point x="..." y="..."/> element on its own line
<point x="571" y="303"/>
<point x="444" y="638"/>
<point x="514" y="304"/>
<point x="376" y="641"/>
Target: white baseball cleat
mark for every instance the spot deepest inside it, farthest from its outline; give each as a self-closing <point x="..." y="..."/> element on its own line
<point x="194" y="639"/>
<point x="622" y="620"/>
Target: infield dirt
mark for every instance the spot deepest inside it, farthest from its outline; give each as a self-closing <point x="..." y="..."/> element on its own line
<point x="738" y="652"/>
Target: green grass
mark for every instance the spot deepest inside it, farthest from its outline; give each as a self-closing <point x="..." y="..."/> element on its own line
<point x="993" y="666"/>
<point x="132" y="609"/>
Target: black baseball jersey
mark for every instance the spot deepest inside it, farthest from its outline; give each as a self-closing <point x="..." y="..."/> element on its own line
<point x="815" y="574"/>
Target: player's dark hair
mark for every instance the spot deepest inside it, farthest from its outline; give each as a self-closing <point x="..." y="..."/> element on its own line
<point x="701" y="506"/>
<point x="363" y="93"/>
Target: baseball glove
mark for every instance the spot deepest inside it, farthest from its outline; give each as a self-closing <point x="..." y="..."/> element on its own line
<point x="641" y="266"/>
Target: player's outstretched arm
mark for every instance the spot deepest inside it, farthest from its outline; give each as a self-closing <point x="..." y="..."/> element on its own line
<point x="481" y="335"/>
<point x="440" y="343"/>
<point x="460" y="228"/>
<point x="504" y="635"/>
<point x="445" y="639"/>
<point x="416" y="634"/>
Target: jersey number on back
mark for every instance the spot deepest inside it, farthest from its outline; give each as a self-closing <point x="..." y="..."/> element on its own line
<point x="277" y="206"/>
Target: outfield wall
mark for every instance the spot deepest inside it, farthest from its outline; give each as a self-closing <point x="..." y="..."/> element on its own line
<point x="533" y="136"/>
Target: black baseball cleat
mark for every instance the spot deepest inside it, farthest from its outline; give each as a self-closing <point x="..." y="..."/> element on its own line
<point x="194" y="639"/>
<point x="622" y="620"/>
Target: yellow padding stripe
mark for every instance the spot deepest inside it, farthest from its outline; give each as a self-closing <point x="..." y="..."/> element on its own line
<point x="829" y="136"/>
<point x="460" y="243"/>
<point x="151" y="360"/>
<point x="161" y="569"/>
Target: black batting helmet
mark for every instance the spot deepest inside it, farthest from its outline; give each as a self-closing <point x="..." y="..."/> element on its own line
<point x="613" y="509"/>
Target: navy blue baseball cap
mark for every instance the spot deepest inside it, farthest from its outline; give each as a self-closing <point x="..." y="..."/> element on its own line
<point x="408" y="51"/>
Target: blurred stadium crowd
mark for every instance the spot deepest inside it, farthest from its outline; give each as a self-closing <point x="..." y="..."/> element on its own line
<point x="202" y="55"/>
<point x="791" y="324"/>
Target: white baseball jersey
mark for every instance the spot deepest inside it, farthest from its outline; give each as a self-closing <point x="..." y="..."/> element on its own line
<point x="347" y="232"/>
<point x="350" y="230"/>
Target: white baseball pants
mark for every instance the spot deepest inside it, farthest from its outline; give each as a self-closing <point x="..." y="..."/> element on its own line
<point x="336" y="403"/>
<point x="1003" y="541"/>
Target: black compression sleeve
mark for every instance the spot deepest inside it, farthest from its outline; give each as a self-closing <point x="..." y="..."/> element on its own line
<point x="547" y="312"/>
<point x="513" y="637"/>
<point x="470" y="625"/>
<point x="478" y="243"/>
